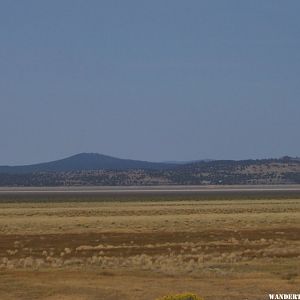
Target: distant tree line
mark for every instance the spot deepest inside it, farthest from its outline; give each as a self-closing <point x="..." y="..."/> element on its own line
<point x="226" y="172"/>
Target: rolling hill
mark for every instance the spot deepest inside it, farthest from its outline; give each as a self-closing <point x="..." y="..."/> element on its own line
<point x="88" y="169"/>
<point x="85" y="161"/>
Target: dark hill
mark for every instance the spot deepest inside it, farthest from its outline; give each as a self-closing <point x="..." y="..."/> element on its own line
<point x="100" y="170"/>
<point x="85" y="161"/>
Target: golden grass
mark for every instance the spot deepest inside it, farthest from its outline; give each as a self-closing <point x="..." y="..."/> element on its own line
<point x="186" y="296"/>
<point x="142" y="250"/>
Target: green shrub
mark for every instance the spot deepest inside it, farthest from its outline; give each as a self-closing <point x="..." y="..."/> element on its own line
<point x="181" y="297"/>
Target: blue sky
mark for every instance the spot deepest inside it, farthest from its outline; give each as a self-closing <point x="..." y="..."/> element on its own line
<point x="151" y="80"/>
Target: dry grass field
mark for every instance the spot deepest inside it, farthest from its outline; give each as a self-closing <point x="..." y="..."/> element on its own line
<point x="218" y="249"/>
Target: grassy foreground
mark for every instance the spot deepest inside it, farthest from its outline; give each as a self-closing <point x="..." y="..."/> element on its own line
<point x="229" y="249"/>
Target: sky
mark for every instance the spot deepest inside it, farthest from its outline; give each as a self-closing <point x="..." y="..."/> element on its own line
<point x="152" y="80"/>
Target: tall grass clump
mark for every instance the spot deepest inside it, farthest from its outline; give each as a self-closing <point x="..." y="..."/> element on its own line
<point x="187" y="296"/>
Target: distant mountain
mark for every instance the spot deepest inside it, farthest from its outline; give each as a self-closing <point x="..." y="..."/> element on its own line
<point x="85" y="161"/>
<point x="89" y="169"/>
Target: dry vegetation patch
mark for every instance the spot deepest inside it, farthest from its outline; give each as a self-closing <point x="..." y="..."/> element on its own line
<point x="211" y="241"/>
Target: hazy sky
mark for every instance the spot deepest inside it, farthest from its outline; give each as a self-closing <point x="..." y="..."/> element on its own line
<point x="153" y="80"/>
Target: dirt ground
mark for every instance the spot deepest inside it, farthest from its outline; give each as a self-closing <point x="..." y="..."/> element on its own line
<point x="229" y="249"/>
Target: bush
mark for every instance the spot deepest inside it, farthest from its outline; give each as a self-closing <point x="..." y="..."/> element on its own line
<point x="181" y="297"/>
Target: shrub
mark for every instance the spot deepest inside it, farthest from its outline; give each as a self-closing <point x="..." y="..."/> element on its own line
<point x="181" y="297"/>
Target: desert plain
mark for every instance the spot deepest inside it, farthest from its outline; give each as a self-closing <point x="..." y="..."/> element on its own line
<point x="142" y="246"/>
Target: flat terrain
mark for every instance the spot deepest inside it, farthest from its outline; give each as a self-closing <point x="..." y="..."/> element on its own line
<point x="142" y="245"/>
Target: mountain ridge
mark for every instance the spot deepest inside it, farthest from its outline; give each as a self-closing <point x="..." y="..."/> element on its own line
<point x="88" y="169"/>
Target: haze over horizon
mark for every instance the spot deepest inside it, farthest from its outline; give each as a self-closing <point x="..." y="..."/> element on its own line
<point x="154" y="81"/>
<point x="121" y="158"/>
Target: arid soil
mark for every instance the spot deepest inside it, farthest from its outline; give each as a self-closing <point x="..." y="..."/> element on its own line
<point x="219" y="249"/>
